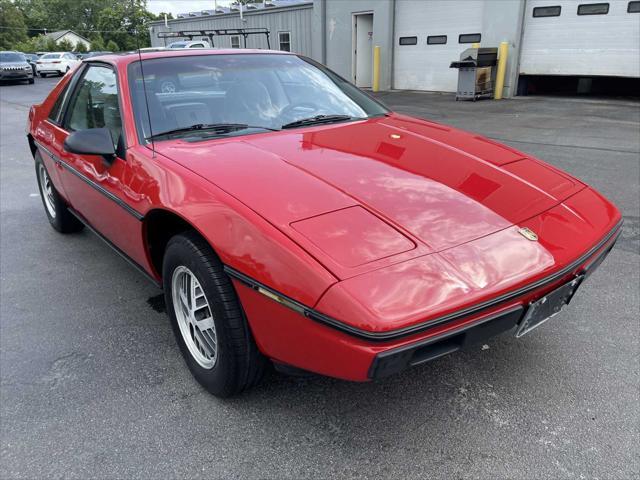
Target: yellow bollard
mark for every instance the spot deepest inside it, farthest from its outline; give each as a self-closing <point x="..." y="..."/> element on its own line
<point x="503" y="52"/>
<point x="376" y="68"/>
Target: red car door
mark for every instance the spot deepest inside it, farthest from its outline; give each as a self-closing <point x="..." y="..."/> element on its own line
<point x="94" y="185"/>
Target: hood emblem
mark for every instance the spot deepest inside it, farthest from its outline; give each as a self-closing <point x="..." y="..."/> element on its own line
<point x="528" y="234"/>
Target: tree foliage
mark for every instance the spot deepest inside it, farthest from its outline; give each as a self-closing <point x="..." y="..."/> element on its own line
<point x="112" y="46"/>
<point x="40" y="43"/>
<point x="13" y="28"/>
<point x="125" y="21"/>
<point x="66" y="46"/>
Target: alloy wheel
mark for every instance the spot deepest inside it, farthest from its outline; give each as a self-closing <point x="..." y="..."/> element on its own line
<point x="46" y="189"/>
<point x="195" y="317"/>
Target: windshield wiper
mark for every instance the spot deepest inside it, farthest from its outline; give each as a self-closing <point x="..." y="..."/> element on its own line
<point x="319" y="119"/>
<point x="216" y="127"/>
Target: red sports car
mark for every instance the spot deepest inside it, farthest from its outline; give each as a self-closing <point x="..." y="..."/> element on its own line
<point x="289" y="217"/>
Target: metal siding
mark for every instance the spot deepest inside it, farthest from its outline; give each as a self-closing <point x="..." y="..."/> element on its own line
<point x="294" y="20"/>
<point x="581" y="45"/>
<point x="338" y="33"/>
<point x="426" y="67"/>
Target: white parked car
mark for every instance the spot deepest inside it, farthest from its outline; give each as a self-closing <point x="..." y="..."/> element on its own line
<point x="192" y="44"/>
<point x="56" y="63"/>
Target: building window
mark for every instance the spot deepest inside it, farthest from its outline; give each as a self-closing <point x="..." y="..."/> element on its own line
<point x="633" y="7"/>
<point x="408" y="40"/>
<point x="284" y="39"/>
<point x="547" y="11"/>
<point x="593" y="9"/>
<point x="469" y="38"/>
<point x="436" y="40"/>
<point x="235" y="41"/>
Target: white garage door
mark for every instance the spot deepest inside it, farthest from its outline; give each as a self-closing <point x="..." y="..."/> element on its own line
<point x="574" y="37"/>
<point x="429" y="35"/>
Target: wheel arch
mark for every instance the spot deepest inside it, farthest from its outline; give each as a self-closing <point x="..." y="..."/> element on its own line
<point x="159" y="226"/>
<point x="32" y="145"/>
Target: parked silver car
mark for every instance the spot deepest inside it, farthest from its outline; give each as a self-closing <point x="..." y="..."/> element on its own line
<point x="14" y="66"/>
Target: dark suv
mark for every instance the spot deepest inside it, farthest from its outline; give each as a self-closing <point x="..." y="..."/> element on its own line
<point x="14" y="66"/>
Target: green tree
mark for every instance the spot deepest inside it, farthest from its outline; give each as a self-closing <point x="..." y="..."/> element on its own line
<point x="86" y="17"/>
<point x="31" y="45"/>
<point x="126" y="23"/>
<point x="78" y="15"/>
<point x="27" y="46"/>
<point x="80" y="48"/>
<point x="13" y="28"/>
<point x="49" y="45"/>
<point x="97" y="44"/>
<point x="65" y="46"/>
<point x="112" y="46"/>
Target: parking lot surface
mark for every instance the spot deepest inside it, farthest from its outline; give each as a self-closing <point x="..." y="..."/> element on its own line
<point x="93" y="385"/>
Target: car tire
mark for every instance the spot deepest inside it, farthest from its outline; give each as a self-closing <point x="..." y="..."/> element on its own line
<point x="31" y="81"/>
<point x="222" y="356"/>
<point x="58" y="214"/>
<point x="42" y="75"/>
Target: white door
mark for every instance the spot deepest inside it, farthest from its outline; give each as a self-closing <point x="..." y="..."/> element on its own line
<point x="363" y="52"/>
<point x="569" y="37"/>
<point x="428" y="36"/>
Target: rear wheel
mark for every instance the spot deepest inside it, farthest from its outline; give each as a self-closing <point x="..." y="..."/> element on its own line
<point x="43" y="75"/>
<point x="207" y="318"/>
<point x="58" y="214"/>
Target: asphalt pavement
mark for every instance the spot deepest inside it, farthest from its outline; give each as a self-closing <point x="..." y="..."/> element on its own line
<point x="93" y="385"/>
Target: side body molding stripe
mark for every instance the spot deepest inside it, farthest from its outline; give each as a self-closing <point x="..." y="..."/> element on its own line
<point x="130" y="210"/>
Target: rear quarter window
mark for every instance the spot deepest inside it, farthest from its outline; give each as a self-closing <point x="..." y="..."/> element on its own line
<point x="55" y="113"/>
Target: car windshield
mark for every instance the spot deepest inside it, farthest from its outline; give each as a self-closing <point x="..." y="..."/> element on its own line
<point x="50" y="56"/>
<point x="7" y="57"/>
<point x="257" y="90"/>
<point x="178" y="45"/>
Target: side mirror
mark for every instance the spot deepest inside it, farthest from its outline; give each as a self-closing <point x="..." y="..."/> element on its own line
<point x="93" y="141"/>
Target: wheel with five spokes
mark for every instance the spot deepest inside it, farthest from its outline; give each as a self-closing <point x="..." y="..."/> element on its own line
<point x="207" y="318"/>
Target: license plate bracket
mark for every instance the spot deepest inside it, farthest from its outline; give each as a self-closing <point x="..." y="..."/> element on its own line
<point x="548" y="306"/>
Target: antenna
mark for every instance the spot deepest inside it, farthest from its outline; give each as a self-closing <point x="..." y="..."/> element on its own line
<point x="144" y="89"/>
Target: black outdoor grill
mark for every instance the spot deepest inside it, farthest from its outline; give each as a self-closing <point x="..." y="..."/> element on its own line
<point x="476" y="73"/>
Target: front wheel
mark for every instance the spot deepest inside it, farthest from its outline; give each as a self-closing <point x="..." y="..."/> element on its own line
<point x="58" y="214"/>
<point x="207" y="318"/>
<point x="31" y="81"/>
<point x="42" y="75"/>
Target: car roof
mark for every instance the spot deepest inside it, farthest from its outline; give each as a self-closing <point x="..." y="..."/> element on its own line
<point x="123" y="59"/>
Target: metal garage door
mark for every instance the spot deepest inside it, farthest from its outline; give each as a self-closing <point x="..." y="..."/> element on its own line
<point x="574" y="37"/>
<point x="428" y="38"/>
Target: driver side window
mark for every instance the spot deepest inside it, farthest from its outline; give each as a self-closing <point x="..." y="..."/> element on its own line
<point x="95" y="103"/>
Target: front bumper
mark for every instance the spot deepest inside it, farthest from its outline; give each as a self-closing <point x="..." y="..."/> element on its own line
<point x="293" y="337"/>
<point x="16" y="74"/>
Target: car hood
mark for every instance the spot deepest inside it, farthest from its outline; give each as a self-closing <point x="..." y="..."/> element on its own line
<point x="366" y="194"/>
